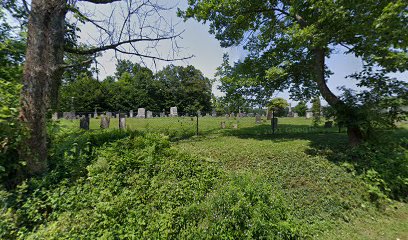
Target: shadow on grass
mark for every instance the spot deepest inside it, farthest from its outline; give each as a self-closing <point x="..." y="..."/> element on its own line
<point x="382" y="162"/>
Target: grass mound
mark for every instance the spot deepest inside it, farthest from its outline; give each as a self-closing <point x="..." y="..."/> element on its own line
<point x="139" y="187"/>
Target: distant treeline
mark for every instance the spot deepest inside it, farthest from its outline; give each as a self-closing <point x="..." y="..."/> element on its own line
<point x="134" y="86"/>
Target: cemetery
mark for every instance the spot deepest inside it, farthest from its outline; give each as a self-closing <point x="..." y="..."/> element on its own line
<point x="203" y="119"/>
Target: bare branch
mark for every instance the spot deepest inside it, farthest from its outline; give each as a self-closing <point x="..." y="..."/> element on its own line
<point x="64" y="66"/>
<point x="115" y="45"/>
<point x="100" y="1"/>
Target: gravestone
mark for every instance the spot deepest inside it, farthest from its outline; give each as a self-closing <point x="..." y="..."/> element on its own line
<point x="250" y="115"/>
<point x="173" y="112"/>
<point x="69" y="115"/>
<point x="141" y="113"/>
<point x="122" y="121"/>
<point x="163" y="114"/>
<point x="105" y="121"/>
<point x="269" y="114"/>
<point x="55" y="116"/>
<point x="222" y="125"/>
<point x="234" y="126"/>
<point x="149" y="114"/>
<point x="207" y="115"/>
<point x="199" y="113"/>
<point x="109" y="114"/>
<point x="328" y="124"/>
<point x="214" y="113"/>
<point x="258" y="119"/>
<point x="89" y="115"/>
<point x="232" y="114"/>
<point x="295" y="114"/>
<point x="131" y="113"/>
<point x="84" y="123"/>
<point x="309" y="114"/>
<point x="95" y="113"/>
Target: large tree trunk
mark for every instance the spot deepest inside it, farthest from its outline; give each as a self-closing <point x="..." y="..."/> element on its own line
<point x="42" y="73"/>
<point x="353" y="131"/>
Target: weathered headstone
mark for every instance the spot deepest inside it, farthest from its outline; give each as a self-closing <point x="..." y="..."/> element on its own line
<point x="109" y="114"/>
<point x="222" y="125"/>
<point x="105" y="121"/>
<point x="122" y="121"/>
<point x="269" y="114"/>
<point x="84" y="123"/>
<point x="149" y="114"/>
<point x="250" y="115"/>
<point x="295" y="114"/>
<point x="89" y="115"/>
<point x="141" y="113"/>
<point x="328" y="124"/>
<point x="69" y="115"/>
<point x="258" y="119"/>
<point x="131" y="113"/>
<point x="309" y="114"/>
<point x="95" y="113"/>
<point x="173" y="112"/>
<point x="117" y="115"/>
<point x="214" y="113"/>
<point x="55" y="116"/>
<point x="235" y="126"/>
<point x="199" y="113"/>
<point x="232" y="114"/>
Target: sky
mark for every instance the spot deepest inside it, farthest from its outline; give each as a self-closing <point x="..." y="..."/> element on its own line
<point x="195" y="40"/>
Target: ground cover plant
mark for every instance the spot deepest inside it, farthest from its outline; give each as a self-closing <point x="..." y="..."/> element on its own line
<point x="240" y="183"/>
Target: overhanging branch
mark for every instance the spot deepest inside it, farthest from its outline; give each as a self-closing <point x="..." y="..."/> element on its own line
<point x="116" y="45"/>
<point x="100" y="1"/>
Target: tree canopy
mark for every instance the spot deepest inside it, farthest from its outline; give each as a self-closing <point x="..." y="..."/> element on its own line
<point x="288" y="42"/>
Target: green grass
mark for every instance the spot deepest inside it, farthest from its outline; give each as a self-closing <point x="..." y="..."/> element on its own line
<point x="300" y="176"/>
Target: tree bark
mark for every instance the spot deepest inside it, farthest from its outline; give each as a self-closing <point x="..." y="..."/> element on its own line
<point x="42" y="75"/>
<point x="354" y="133"/>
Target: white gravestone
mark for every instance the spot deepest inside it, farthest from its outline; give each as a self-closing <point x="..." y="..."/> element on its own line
<point x="173" y="112"/>
<point x="141" y="113"/>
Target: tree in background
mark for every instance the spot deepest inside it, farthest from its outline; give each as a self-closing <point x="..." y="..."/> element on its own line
<point x="185" y="87"/>
<point x="82" y="95"/>
<point x="278" y="106"/>
<point x="288" y="43"/>
<point x="300" y="109"/>
<point x="316" y="109"/>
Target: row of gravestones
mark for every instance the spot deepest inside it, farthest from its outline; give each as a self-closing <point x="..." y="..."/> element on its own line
<point x="105" y="122"/>
<point x="141" y="113"/>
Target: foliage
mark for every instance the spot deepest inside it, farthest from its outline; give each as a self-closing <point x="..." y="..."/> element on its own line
<point x="316" y="109"/>
<point x="134" y="86"/>
<point x="12" y="133"/>
<point x="287" y="43"/>
<point x="12" y="48"/>
<point x="278" y="105"/>
<point x="145" y="189"/>
<point x="383" y="164"/>
<point x="301" y="109"/>
<point x="185" y="87"/>
<point x="82" y="95"/>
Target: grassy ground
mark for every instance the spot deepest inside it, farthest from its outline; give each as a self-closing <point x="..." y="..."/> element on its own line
<point x="297" y="161"/>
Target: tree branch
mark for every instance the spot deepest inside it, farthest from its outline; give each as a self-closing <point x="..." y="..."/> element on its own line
<point x="115" y="45"/>
<point x="100" y="1"/>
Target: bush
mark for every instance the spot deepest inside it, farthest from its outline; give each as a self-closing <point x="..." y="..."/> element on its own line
<point x="139" y="187"/>
<point x="12" y="133"/>
<point x="383" y="165"/>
